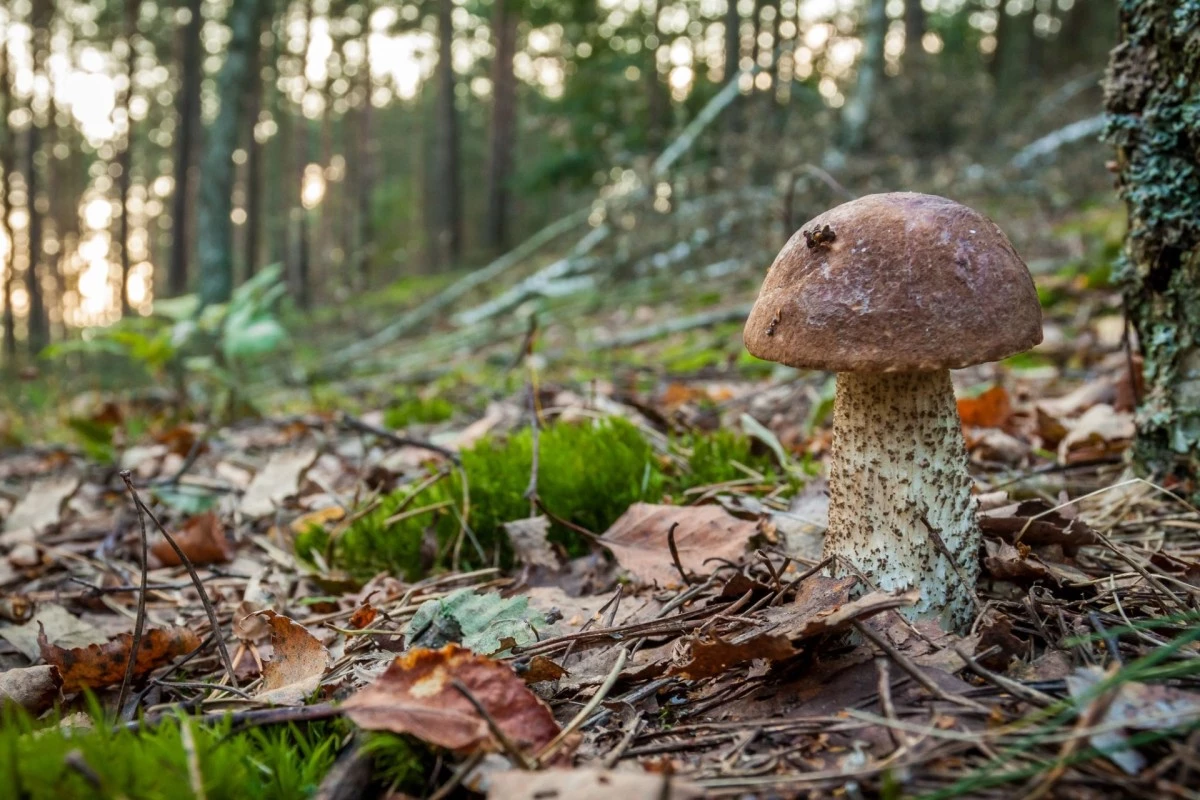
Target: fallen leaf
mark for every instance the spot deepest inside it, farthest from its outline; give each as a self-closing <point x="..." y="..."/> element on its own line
<point x="32" y="688"/>
<point x="1136" y="706"/>
<point x="276" y="482"/>
<point x="714" y="656"/>
<point x="589" y="784"/>
<point x="201" y="538"/>
<point x="538" y="669"/>
<point x="61" y="628"/>
<point x="100" y="665"/>
<point x="363" y="616"/>
<point x="638" y="540"/>
<point x="1033" y="523"/>
<point x="1005" y="562"/>
<point x="1102" y="430"/>
<point x="990" y="409"/>
<point x="841" y="617"/>
<point x="996" y="630"/>
<point x="479" y="622"/>
<point x="417" y="695"/>
<point x="42" y="505"/>
<point x="321" y="517"/>
<point x="528" y="537"/>
<point x="297" y="664"/>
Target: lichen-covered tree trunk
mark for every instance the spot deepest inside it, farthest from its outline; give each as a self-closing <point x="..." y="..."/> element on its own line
<point x="216" y="184"/>
<point x="1152" y="94"/>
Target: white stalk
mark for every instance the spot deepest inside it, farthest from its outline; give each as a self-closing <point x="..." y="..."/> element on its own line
<point x="900" y="497"/>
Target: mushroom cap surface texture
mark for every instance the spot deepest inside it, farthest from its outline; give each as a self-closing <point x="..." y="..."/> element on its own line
<point x="897" y="281"/>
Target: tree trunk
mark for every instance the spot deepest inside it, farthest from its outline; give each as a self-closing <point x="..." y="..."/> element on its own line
<point x="7" y="164"/>
<point x="125" y="158"/>
<point x="857" y="111"/>
<point x="214" y="225"/>
<point x="364" y="247"/>
<point x="187" y="106"/>
<point x="1150" y="91"/>
<point x="40" y="15"/>
<point x="504" y="124"/>
<point x="299" y="274"/>
<point x="449" y="186"/>
<point x="733" y="58"/>
<point x="914" y="32"/>
<point x="657" y="99"/>
<point x="252" y="243"/>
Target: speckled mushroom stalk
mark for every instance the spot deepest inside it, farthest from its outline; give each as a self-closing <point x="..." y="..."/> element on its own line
<point x="900" y="504"/>
<point x="891" y="291"/>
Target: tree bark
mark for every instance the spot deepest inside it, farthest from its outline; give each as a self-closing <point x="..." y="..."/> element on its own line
<point x="299" y="263"/>
<point x="7" y="164"/>
<point x="449" y="184"/>
<point x="914" y="31"/>
<point x="364" y="246"/>
<point x="41" y="13"/>
<point x="1150" y="95"/>
<point x="216" y="194"/>
<point x="857" y="112"/>
<point x="187" y="106"/>
<point x="504" y="124"/>
<point x="125" y="158"/>
<point x="252" y="243"/>
<point x="733" y="58"/>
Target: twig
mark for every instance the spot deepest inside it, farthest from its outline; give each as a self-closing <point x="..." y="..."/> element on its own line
<point x="531" y="491"/>
<point x="884" y="685"/>
<point x="675" y="554"/>
<point x="914" y="671"/>
<point x="509" y="745"/>
<point x="1110" y="641"/>
<point x="191" y="569"/>
<point x="1016" y="689"/>
<point x="351" y="422"/>
<point x="586" y="711"/>
<point x="139" y="623"/>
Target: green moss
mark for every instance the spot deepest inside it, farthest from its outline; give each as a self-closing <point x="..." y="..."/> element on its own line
<point x="588" y="474"/>
<point x="410" y="410"/>
<point x="40" y="761"/>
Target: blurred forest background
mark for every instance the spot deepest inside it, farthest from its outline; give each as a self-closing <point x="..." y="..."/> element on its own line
<point x="362" y="158"/>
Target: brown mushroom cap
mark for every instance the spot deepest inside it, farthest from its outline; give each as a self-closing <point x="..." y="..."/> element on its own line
<point x="898" y="281"/>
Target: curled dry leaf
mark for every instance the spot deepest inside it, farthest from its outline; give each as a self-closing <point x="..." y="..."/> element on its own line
<point x="297" y="664"/>
<point x="99" y="665"/>
<point x="276" y="482"/>
<point x="538" y="669"/>
<point x="589" y="784"/>
<point x="417" y="695"/>
<point x="32" y="688"/>
<point x="363" y="616"/>
<point x="528" y="537"/>
<point x="1031" y="522"/>
<point x="1101" y="431"/>
<point x="201" y="538"/>
<point x="714" y="656"/>
<point x="991" y="409"/>
<point x="638" y="540"/>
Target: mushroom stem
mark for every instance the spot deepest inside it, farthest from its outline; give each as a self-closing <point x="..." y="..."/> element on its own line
<point x="900" y="502"/>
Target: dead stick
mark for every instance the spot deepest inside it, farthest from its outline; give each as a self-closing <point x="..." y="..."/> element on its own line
<point x="913" y="670"/>
<point x="586" y="711"/>
<point x="675" y="554"/>
<point x="509" y="745"/>
<point x="191" y="569"/>
<point x="139" y="623"/>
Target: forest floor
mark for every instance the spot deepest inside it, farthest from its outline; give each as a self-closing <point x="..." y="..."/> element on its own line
<point x="578" y="551"/>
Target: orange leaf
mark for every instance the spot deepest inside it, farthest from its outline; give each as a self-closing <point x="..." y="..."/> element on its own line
<point x="202" y="540"/>
<point x="99" y="665"/>
<point x="363" y="616"/>
<point x="417" y="695"/>
<point x="988" y="410"/>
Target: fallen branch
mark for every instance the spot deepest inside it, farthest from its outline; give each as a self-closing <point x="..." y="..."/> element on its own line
<point x="702" y="320"/>
<point x="1051" y="142"/>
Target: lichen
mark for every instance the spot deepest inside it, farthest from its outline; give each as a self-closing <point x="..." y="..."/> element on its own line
<point x="1153" y="101"/>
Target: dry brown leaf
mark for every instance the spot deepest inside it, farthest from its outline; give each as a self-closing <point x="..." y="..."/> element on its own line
<point x="823" y="605"/>
<point x="589" y="784"/>
<point x="32" y="688"/>
<point x="638" y="540"/>
<point x="417" y="696"/>
<point x="99" y="665"/>
<point x="539" y="669"/>
<point x="297" y="664"/>
<point x="1036" y="525"/>
<point x="1101" y="431"/>
<point x="276" y="482"/>
<point x="991" y="409"/>
<point x="42" y="505"/>
<point x="714" y="656"/>
<point x="363" y="616"/>
<point x="201" y="538"/>
<point x="1008" y="563"/>
<point x="528" y="538"/>
<point x="61" y="627"/>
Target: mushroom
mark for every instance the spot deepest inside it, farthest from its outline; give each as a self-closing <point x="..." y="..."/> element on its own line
<point x="891" y="291"/>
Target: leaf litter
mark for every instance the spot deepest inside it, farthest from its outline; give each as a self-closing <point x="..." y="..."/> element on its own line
<point x="732" y="666"/>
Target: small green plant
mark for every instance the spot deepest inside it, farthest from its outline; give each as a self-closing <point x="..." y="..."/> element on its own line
<point x="410" y="410"/>
<point x="42" y="761"/>
<point x="588" y="474"/>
